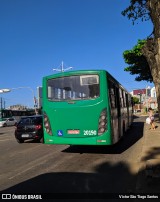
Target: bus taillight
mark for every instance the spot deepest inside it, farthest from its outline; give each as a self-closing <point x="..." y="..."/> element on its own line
<point x="102" y="127"/>
<point x="47" y="125"/>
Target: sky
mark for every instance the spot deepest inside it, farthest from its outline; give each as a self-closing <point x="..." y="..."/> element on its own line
<point x="37" y="35"/>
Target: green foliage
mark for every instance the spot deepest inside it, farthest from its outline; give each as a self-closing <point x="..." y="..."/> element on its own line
<point x="138" y="64"/>
<point x="137" y="10"/>
<point x="135" y="100"/>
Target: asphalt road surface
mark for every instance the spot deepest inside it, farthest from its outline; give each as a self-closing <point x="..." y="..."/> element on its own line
<point x="34" y="167"/>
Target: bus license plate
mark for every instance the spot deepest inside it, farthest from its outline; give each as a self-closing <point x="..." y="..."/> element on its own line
<point x="25" y="135"/>
<point x="73" y="132"/>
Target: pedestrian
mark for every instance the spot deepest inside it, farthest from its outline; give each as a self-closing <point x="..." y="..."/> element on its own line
<point x="151" y="116"/>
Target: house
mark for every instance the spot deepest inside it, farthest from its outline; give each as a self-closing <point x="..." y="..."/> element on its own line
<point x="147" y="97"/>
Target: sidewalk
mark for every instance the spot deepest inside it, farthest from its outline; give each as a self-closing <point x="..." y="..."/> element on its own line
<point x="148" y="180"/>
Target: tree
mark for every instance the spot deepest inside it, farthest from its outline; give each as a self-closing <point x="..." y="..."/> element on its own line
<point x="138" y="63"/>
<point x="135" y="100"/>
<point x="149" y="10"/>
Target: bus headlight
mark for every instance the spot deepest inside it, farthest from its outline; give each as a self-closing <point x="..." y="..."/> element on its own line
<point x="102" y="126"/>
<point x="47" y="125"/>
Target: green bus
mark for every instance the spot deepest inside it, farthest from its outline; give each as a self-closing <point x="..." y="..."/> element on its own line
<point x="87" y="107"/>
<point x="11" y="113"/>
<point x="4" y="114"/>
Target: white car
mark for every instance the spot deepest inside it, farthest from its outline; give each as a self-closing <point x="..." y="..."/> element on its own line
<point x="8" y="122"/>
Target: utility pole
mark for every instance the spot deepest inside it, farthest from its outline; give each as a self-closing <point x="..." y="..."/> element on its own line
<point x="62" y="68"/>
<point x="9" y="90"/>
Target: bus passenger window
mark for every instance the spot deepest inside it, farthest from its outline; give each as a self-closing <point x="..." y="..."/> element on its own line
<point x="50" y="92"/>
<point x="125" y="99"/>
<point x="112" y="94"/>
<point x="121" y="98"/>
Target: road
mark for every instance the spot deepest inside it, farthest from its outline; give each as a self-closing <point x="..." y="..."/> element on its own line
<point x="38" y="168"/>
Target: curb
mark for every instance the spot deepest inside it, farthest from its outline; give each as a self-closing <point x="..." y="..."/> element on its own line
<point x="148" y="176"/>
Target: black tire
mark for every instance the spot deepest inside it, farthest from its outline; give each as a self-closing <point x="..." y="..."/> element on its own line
<point x="20" y="141"/>
<point x="41" y="140"/>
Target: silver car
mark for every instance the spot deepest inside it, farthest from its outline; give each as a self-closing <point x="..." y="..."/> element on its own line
<point x="8" y="122"/>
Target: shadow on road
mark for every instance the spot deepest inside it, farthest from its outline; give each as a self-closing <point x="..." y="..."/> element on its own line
<point x="78" y="182"/>
<point x="134" y="134"/>
<point x="107" y="178"/>
<point x="107" y="182"/>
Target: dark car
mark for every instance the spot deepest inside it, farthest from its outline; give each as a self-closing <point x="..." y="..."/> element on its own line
<point x="29" y="127"/>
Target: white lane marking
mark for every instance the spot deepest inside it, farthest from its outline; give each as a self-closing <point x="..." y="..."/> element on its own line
<point x="5" y="140"/>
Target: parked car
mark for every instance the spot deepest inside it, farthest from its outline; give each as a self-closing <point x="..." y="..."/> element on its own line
<point x="8" y="122"/>
<point x="29" y="127"/>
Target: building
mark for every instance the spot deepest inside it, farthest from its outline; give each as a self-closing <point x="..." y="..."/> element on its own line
<point x="18" y="107"/>
<point x="142" y="94"/>
<point x="153" y="92"/>
<point x="147" y="97"/>
<point x="39" y="97"/>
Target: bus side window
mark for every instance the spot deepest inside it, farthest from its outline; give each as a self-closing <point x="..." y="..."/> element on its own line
<point x="124" y="99"/>
<point x="121" y="97"/>
<point x="127" y="100"/>
<point x="112" y="94"/>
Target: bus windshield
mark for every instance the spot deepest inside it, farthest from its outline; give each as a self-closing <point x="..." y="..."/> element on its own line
<point x="73" y="87"/>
